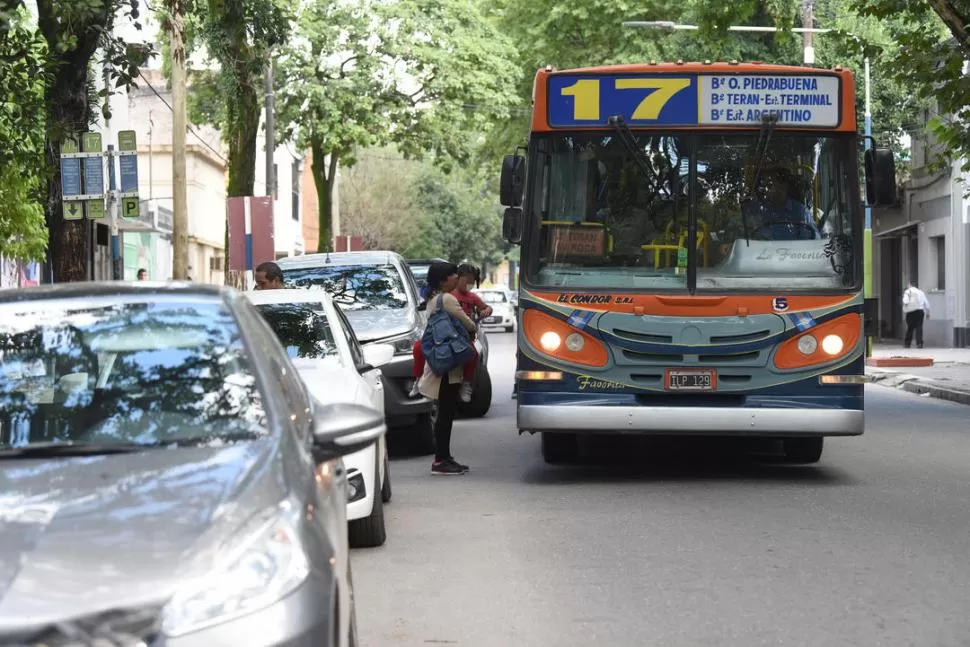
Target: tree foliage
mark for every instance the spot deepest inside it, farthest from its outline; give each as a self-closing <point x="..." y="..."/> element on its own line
<point x="238" y="35"/>
<point x="421" y="74"/>
<point x="926" y="55"/>
<point x="413" y="207"/>
<point x="23" y="52"/>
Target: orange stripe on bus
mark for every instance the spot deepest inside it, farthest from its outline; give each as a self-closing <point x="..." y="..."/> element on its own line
<point x="687" y="306"/>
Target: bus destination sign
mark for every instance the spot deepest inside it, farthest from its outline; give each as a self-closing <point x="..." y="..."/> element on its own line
<point x="799" y="101"/>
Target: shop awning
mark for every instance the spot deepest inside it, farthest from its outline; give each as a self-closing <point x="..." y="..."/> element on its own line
<point x="896" y="231"/>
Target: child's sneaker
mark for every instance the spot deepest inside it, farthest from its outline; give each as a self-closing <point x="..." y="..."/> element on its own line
<point x="465" y="392"/>
<point x="446" y="467"/>
<point x="414" y="393"/>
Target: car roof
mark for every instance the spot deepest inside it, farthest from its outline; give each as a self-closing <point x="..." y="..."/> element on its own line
<point x="341" y="258"/>
<point x="425" y="261"/>
<point x="264" y="297"/>
<point x="120" y="289"/>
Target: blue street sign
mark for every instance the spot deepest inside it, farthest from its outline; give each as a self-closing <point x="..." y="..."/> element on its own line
<point x="71" y="176"/>
<point x="129" y="172"/>
<point x="94" y="175"/>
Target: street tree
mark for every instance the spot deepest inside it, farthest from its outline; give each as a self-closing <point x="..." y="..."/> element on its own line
<point x="421" y="74"/>
<point x="23" y="54"/>
<point x="377" y="202"/>
<point x="239" y="36"/>
<point x="73" y="33"/>
<point x="929" y="47"/>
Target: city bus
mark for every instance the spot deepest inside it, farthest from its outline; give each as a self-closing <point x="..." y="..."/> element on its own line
<point x="692" y="254"/>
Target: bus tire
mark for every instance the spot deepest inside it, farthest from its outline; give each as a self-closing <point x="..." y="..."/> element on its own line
<point x="803" y="450"/>
<point x="559" y="449"/>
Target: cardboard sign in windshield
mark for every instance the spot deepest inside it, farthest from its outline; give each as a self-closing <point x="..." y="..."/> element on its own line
<point x="576" y="242"/>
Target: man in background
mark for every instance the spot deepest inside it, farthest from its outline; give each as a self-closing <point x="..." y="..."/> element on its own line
<point x="268" y="276"/>
<point x="916" y="308"/>
<point x="142" y="274"/>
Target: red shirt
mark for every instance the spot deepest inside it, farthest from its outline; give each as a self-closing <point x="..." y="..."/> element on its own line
<point x="469" y="301"/>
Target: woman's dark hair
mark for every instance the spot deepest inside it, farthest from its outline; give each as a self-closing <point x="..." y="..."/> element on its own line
<point x="466" y="269"/>
<point x="439" y="272"/>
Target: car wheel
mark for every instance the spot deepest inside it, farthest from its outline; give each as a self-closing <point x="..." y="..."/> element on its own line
<point x="559" y="449"/>
<point x="803" y="450"/>
<point x="386" y="487"/>
<point x="481" y="400"/>
<point x="370" y="531"/>
<point x="422" y="434"/>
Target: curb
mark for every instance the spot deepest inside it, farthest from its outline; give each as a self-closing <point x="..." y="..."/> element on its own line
<point x="917" y="386"/>
<point x="934" y="390"/>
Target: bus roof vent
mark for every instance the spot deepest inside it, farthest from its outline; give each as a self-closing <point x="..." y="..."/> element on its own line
<point x="680" y="61"/>
<point x="707" y="62"/>
<point x="734" y="62"/>
<point x="653" y="62"/>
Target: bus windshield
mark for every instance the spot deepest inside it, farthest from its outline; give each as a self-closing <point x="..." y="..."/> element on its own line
<point x="779" y="215"/>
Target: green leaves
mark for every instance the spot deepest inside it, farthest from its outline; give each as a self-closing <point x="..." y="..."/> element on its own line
<point x="23" y="75"/>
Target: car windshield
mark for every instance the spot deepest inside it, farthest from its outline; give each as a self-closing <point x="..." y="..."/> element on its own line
<point x="303" y="329"/>
<point x="493" y="296"/>
<point x="353" y="287"/>
<point x="611" y="216"/>
<point x="168" y="371"/>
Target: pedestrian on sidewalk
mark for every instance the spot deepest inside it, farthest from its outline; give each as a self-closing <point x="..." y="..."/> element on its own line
<point x="916" y="308"/>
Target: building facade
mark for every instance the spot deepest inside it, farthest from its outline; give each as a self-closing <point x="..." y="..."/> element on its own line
<point x="925" y="240"/>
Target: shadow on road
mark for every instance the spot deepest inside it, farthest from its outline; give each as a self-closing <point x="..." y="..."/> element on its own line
<point x="622" y="459"/>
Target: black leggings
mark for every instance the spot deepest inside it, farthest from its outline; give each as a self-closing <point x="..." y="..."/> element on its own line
<point x="447" y="407"/>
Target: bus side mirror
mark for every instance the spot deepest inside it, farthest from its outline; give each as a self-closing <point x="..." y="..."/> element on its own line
<point x="880" y="177"/>
<point x="512" y="183"/>
<point x="512" y="225"/>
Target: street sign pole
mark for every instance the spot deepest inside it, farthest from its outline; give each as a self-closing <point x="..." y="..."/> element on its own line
<point x="117" y="261"/>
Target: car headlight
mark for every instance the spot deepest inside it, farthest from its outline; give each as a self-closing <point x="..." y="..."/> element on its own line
<point x="266" y="566"/>
<point x="404" y="344"/>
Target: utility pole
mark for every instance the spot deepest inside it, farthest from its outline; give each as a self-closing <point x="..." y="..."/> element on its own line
<point x="808" y="22"/>
<point x="270" y="128"/>
<point x="180" y="214"/>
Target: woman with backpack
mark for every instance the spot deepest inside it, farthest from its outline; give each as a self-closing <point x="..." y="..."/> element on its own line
<point x="442" y="279"/>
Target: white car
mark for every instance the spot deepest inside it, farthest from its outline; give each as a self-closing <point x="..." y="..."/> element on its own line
<point x="503" y="308"/>
<point x="323" y="348"/>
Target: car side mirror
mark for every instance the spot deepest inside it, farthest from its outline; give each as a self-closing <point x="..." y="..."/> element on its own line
<point x="880" y="166"/>
<point x="344" y="428"/>
<point x="512" y="182"/>
<point x="376" y="356"/>
<point x="512" y="225"/>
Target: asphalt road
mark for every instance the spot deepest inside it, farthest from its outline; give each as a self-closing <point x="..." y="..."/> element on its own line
<point x="679" y="548"/>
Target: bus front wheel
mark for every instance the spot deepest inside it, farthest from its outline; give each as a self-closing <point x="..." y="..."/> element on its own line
<point x="803" y="450"/>
<point x="559" y="449"/>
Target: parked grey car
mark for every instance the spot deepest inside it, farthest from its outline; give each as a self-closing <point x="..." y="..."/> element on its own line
<point x="377" y="292"/>
<point x="165" y="475"/>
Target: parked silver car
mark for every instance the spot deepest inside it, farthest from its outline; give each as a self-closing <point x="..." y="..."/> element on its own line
<point x="165" y="475"/>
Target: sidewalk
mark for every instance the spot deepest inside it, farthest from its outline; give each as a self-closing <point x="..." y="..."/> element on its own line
<point x="948" y="377"/>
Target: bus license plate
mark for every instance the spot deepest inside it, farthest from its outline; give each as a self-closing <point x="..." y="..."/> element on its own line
<point x="698" y="379"/>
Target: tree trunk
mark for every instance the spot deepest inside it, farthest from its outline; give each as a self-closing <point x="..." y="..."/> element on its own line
<point x="67" y="113"/>
<point x="324" y="177"/>
<point x="244" y="114"/>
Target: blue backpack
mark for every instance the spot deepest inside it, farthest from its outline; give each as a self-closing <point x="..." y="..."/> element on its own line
<point x="446" y="344"/>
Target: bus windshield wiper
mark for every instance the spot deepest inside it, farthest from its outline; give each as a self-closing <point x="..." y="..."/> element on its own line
<point x="55" y="449"/>
<point x="768" y="123"/>
<point x="629" y="141"/>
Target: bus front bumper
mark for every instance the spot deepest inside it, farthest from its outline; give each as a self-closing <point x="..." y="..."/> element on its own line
<point x="700" y="421"/>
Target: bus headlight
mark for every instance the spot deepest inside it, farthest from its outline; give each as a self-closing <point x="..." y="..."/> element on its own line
<point x="807" y="344"/>
<point x="832" y="344"/>
<point x="575" y="342"/>
<point x="550" y="341"/>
